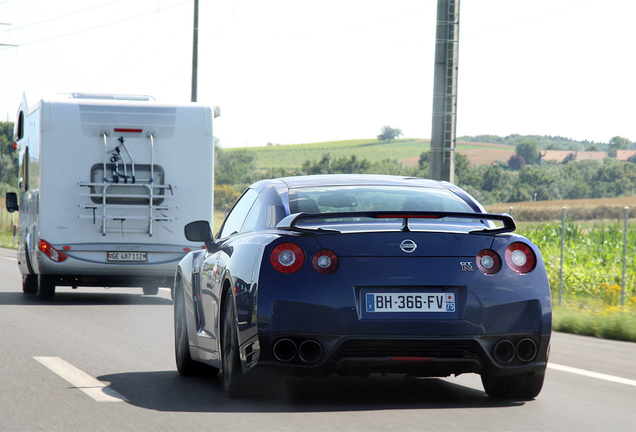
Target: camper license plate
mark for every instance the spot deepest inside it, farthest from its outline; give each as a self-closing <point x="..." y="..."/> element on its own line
<point x="127" y="256"/>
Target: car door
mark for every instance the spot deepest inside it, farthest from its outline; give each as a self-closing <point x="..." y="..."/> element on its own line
<point x="215" y="266"/>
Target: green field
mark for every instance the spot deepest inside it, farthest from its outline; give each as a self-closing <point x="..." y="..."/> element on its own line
<point x="294" y="155"/>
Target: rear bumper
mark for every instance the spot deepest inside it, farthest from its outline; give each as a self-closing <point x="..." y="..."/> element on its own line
<point x="424" y="357"/>
<point x="159" y="264"/>
<point x="112" y="280"/>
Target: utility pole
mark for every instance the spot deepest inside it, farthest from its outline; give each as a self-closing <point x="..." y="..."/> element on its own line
<point x="445" y="91"/>
<point x="195" y="51"/>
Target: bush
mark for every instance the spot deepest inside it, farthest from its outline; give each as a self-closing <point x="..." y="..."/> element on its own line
<point x="225" y="195"/>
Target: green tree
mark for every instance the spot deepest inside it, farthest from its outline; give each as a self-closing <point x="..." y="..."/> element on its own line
<point x="237" y="168"/>
<point x="388" y="133"/>
<point x="8" y="157"/>
<point x="225" y="196"/>
<point x="529" y="151"/>
<point x="323" y="166"/>
<point x="465" y="172"/>
<point x="492" y="178"/>
<point x="351" y="165"/>
<point x="618" y="143"/>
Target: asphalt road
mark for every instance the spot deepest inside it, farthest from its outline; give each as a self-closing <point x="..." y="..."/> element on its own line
<point x="96" y="359"/>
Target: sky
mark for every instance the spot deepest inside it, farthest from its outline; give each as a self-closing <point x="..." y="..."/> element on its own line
<point x="300" y="71"/>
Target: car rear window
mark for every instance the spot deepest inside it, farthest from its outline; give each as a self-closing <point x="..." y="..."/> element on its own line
<point x="336" y="199"/>
<point x="357" y="199"/>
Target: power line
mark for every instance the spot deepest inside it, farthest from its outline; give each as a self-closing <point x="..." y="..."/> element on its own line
<point x="7" y="45"/>
<point x="58" y="17"/>
<point x="103" y="25"/>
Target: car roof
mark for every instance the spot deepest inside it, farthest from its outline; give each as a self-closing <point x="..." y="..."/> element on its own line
<point x="358" y="180"/>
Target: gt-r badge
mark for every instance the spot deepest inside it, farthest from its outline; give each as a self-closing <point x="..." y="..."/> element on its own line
<point x="408" y="246"/>
<point x="466" y="266"/>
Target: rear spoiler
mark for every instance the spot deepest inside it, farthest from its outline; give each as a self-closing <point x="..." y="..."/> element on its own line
<point x="290" y="223"/>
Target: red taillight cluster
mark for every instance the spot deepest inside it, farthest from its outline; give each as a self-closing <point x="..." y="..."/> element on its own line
<point x="288" y="257"/>
<point x="325" y="261"/>
<point x="50" y="251"/>
<point x="488" y="261"/>
<point x="519" y="256"/>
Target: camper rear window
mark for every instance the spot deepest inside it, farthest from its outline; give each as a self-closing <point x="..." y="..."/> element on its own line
<point x="125" y="191"/>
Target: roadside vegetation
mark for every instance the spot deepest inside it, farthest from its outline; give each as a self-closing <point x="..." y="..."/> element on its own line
<point x="592" y="298"/>
<point x="6" y="238"/>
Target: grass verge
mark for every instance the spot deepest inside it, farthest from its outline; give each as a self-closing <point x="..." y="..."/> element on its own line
<point x="6" y="239"/>
<point x="612" y="322"/>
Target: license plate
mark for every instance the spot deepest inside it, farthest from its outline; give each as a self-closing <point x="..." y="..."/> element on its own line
<point x="410" y="302"/>
<point x="127" y="256"/>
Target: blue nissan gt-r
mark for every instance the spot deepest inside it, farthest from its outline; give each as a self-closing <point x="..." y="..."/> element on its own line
<point x="361" y="274"/>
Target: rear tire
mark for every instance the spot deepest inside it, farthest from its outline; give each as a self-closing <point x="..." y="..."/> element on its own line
<point x="233" y="378"/>
<point x="519" y="387"/>
<point x="29" y="284"/>
<point x="185" y="365"/>
<point x="46" y="287"/>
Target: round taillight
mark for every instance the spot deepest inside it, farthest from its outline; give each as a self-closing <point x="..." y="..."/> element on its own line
<point x="521" y="258"/>
<point x="325" y="262"/>
<point x="488" y="261"/>
<point x="287" y="257"/>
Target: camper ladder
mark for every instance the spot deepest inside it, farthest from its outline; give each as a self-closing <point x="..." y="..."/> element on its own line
<point x="116" y="197"/>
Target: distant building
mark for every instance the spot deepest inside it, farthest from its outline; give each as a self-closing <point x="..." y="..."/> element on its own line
<point x="561" y="155"/>
<point x="623" y="155"/>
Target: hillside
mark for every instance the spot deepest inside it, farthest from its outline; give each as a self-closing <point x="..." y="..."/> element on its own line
<point x="406" y="151"/>
<point x="477" y="153"/>
<point x="489" y="183"/>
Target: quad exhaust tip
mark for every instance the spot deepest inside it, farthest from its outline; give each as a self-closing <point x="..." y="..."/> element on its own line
<point x="286" y="350"/>
<point x="310" y="351"/>
<point x="504" y="351"/>
<point x="525" y="350"/>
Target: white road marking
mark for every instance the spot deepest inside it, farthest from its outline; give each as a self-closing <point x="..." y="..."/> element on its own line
<point x="590" y="374"/>
<point x="89" y="385"/>
<point x="10" y="258"/>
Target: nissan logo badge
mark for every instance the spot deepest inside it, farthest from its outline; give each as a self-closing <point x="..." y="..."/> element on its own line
<point x="408" y="246"/>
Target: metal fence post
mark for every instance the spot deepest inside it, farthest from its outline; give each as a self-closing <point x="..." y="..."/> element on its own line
<point x="562" y="247"/>
<point x="624" y="257"/>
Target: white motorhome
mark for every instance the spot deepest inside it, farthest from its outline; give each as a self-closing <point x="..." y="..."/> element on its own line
<point x="106" y="185"/>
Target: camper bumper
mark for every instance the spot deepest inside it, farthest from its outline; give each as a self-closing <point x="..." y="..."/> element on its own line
<point x="111" y="264"/>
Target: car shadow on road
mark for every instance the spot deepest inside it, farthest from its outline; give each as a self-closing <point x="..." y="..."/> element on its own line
<point x="168" y="391"/>
<point x="80" y="298"/>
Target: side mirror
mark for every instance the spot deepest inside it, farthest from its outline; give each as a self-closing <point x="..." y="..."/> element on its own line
<point x="200" y="231"/>
<point x="12" y="202"/>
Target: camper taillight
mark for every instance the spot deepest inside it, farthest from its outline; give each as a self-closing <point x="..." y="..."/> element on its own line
<point x="129" y="130"/>
<point x="50" y="251"/>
